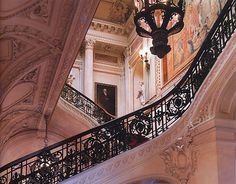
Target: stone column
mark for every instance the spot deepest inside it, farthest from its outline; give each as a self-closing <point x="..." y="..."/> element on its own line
<point x="88" y="69"/>
<point x="127" y="79"/>
<point x="79" y="65"/>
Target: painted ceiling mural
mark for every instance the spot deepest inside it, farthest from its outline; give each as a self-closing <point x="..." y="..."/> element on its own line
<point x="199" y="17"/>
<point x="115" y="11"/>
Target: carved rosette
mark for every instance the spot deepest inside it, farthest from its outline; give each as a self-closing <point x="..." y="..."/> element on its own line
<point x="180" y="159"/>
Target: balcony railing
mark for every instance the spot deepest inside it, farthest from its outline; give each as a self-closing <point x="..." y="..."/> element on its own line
<point x="76" y="154"/>
<point x="85" y="104"/>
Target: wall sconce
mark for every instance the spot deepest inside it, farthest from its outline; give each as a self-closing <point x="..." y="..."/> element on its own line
<point x="144" y="55"/>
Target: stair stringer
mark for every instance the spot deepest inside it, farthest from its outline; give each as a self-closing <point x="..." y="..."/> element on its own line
<point x="77" y="113"/>
<point x="68" y="120"/>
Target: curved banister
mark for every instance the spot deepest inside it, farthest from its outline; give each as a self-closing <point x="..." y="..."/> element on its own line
<point x="78" y="153"/>
<point x="85" y="104"/>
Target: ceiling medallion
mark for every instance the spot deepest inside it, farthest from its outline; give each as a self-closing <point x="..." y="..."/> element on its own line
<point x="159" y="19"/>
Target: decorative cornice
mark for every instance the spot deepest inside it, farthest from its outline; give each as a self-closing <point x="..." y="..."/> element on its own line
<point x="108" y="37"/>
<point x="108" y="27"/>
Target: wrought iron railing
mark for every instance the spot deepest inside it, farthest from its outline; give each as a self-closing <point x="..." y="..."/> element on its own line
<point x="85" y="104"/>
<point x="76" y="154"/>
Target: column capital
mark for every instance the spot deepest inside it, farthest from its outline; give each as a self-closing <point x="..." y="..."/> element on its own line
<point x="89" y="43"/>
<point x="126" y="52"/>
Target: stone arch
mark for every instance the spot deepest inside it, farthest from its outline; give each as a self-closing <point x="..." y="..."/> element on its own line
<point x="226" y="103"/>
<point x="152" y="179"/>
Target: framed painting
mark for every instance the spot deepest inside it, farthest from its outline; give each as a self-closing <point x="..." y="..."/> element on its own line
<point x="106" y="97"/>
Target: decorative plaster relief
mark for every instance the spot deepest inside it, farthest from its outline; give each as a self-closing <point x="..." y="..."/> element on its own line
<point x="18" y="48"/>
<point x="30" y="34"/>
<point x="6" y="49"/>
<point x="13" y="48"/>
<point x="26" y="85"/>
<point x="180" y="159"/>
<point x="204" y="114"/>
<point x="120" y="12"/>
<point x="31" y="76"/>
<point x="8" y="77"/>
<point x="23" y="25"/>
<point x="16" y="7"/>
<point x="40" y="12"/>
<point x="18" y="93"/>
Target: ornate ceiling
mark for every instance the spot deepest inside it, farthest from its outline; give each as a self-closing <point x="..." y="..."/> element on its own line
<point x="115" y="11"/>
<point x="39" y="41"/>
<point x="114" y="19"/>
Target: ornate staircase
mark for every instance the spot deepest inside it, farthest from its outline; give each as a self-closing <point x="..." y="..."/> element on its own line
<point x="85" y="104"/>
<point x="76" y="154"/>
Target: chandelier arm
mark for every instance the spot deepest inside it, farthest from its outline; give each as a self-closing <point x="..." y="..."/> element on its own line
<point x="166" y="19"/>
<point x="149" y="18"/>
<point x="140" y="30"/>
<point x="176" y="28"/>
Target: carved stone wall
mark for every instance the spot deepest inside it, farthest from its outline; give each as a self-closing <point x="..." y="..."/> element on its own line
<point x="38" y="48"/>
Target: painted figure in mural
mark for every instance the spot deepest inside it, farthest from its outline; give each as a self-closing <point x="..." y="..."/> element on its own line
<point x="201" y="15"/>
<point x="178" y="53"/>
<point x="140" y="95"/>
<point x="70" y="80"/>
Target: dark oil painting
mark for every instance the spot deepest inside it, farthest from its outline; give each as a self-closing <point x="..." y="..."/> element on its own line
<point x="105" y="97"/>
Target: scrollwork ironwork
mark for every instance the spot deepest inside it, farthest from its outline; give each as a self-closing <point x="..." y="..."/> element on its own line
<point x="86" y="105"/>
<point x="141" y="125"/>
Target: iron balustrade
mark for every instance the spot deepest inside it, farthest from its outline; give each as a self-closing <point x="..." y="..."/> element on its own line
<point x="85" y="104"/>
<point x="76" y="154"/>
